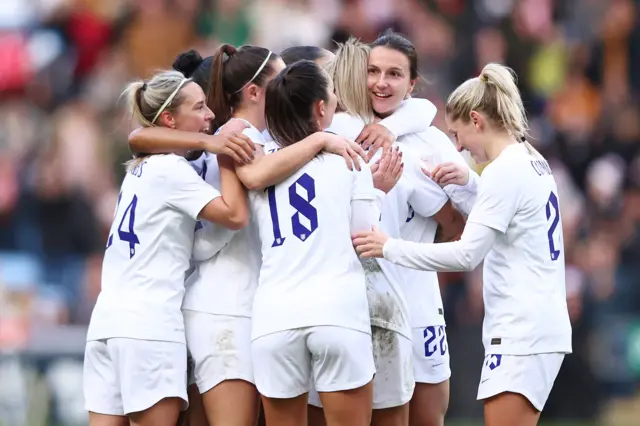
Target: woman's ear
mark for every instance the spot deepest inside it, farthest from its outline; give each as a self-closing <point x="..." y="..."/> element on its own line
<point x="253" y="92"/>
<point x="476" y="120"/>
<point x="167" y="120"/>
<point x="410" y="89"/>
<point x="319" y="111"/>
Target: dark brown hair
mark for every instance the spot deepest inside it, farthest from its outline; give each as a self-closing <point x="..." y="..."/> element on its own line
<point x="290" y="99"/>
<point x="232" y="70"/>
<point x="400" y="43"/>
<point x="195" y="67"/>
<point x="298" y="53"/>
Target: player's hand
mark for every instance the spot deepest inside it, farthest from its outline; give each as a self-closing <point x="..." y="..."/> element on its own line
<point x="387" y="170"/>
<point x="448" y="174"/>
<point x="230" y="141"/>
<point x="369" y="243"/>
<point x="373" y="137"/>
<point x="349" y="150"/>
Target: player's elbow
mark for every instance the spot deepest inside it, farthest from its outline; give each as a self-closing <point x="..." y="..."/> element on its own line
<point x="234" y="217"/>
<point x="469" y="260"/>
<point x="251" y="177"/>
<point x="135" y="141"/>
<point x="237" y="220"/>
<point x="252" y="183"/>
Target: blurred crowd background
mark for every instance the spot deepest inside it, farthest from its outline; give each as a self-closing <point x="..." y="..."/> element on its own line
<point x="63" y="64"/>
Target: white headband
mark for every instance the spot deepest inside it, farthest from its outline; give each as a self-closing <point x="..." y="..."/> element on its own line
<point x="264" y="64"/>
<point x="169" y="99"/>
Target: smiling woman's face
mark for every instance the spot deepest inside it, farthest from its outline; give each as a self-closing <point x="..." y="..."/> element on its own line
<point x="389" y="79"/>
<point x="193" y="115"/>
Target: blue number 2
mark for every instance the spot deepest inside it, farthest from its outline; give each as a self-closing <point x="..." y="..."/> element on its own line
<point x="130" y="235"/>
<point x="553" y="203"/>
<point x="303" y="207"/>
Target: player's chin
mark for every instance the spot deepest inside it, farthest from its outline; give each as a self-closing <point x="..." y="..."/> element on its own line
<point x="383" y="106"/>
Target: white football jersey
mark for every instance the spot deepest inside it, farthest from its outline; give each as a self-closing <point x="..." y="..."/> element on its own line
<point x="387" y="282"/>
<point x="524" y="272"/>
<point x="225" y="281"/>
<point x="148" y="252"/>
<point x="422" y="287"/>
<point x="310" y="272"/>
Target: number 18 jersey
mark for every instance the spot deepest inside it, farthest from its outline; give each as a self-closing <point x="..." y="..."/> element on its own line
<point x="310" y="273"/>
<point x="524" y="272"/>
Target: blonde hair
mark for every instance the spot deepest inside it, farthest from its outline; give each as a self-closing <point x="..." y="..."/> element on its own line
<point x="495" y="93"/>
<point x="147" y="100"/>
<point x="348" y="69"/>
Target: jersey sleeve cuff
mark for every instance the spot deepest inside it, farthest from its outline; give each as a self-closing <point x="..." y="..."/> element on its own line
<point x="366" y="195"/>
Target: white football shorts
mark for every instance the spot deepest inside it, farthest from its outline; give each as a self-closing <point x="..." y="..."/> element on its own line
<point x="288" y="363"/>
<point x="124" y="376"/>
<point x="529" y="375"/>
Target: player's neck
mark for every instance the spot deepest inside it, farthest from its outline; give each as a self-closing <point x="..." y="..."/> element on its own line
<point x="256" y="118"/>
<point x="498" y="144"/>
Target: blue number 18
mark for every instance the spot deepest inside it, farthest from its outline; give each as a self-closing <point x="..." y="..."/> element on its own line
<point x="303" y="207"/>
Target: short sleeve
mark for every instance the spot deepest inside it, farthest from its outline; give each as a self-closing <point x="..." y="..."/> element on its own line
<point x="427" y="198"/>
<point x="185" y="190"/>
<point x="498" y="198"/>
<point x="363" y="184"/>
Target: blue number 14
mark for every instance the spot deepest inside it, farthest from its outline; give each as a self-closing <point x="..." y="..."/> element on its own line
<point x="303" y="207"/>
<point x="124" y="235"/>
<point x="552" y="204"/>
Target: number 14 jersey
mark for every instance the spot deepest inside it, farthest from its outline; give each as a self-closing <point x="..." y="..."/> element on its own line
<point x="148" y="252"/>
<point x="310" y="273"/>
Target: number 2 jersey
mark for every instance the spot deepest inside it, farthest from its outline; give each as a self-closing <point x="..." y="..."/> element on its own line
<point x="310" y="273"/>
<point x="524" y="273"/>
<point x="148" y="252"/>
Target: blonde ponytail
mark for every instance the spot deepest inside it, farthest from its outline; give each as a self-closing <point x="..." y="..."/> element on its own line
<point x="495" y="93"/>
<point x="147" y="100"/>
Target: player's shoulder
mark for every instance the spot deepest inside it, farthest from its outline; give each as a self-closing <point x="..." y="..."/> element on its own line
<point x="170" y="167"/>
<point x="255" y="135"/>
<point x="335" y="167"/>
<point x="508" y="165"/>
<point x="346" y="125"/>
<point x="160" y="160"/>
<point x="271" y="146"/>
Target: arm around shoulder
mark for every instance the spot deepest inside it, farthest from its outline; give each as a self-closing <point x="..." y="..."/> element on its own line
<point x="272" y="169"/>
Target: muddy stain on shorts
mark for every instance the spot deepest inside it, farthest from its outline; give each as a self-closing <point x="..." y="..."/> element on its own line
<point x="225" y="348"/>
